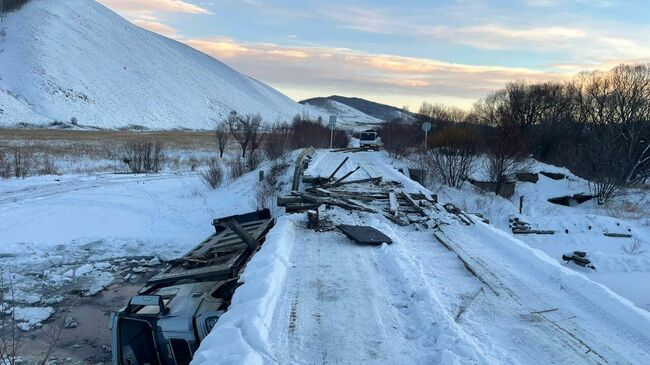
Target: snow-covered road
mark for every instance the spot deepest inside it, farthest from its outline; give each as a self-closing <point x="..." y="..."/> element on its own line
<point x="415" y="301"/>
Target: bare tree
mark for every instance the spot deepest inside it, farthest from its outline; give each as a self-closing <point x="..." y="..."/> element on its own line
<point x="246" y="131"/>
<point x="276" y="144"/>
<point x="222" y="136"/>
<point x="453" y="156"/>
<point x="506" y="154"/>
<point x="398" y="136"/>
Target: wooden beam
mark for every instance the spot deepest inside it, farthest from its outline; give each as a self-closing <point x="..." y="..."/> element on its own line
<point x="394" y="206"/>
<point x="338" y="168"/>
<point x="242" y="233"/>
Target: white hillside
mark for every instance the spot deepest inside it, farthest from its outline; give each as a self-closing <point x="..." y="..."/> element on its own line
<point x="76" y="58"/>
<point x="347" y="116"/>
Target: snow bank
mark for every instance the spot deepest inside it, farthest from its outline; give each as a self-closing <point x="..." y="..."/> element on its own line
<point x="241" y="335"/>
<point x="538" y="266"/>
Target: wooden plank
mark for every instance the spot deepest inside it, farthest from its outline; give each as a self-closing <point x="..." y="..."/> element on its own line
<point x="338" y="182"/>
<point x="338" y="168"/>
<point x="412" y="202"/>
<point x="394" y="206"/>
<point x="298" y="170"/>
<point x="242" y="233"/>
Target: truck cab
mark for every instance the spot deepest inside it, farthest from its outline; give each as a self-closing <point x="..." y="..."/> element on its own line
<point x="369" y="138"/>
<point x="165" y="323"/>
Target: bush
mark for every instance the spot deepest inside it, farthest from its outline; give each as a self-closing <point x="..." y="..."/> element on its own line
<point x="49" y="167"/>
<point x="22" y="160"/>
<point x="270" y="186"/>
<point x="213" y="175"/>
<point x="142" y="156"/>
<point x="307" y="133"/>
<point x="276" y="144"/>
<point x="398" y="136"/>
<point x="453" y="156"/>
<point x="341" y="139"/>
<point x="5" y="165"/>
<point x="236" y="167"/>
<point x="7" y="6"/>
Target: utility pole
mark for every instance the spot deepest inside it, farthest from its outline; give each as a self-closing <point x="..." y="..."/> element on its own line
<point x="426" y="127"/>
<point x="332" y="125"/>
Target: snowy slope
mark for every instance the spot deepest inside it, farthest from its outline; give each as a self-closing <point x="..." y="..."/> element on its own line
<point x="76" y="58"/>
<point x="347" y="116"/>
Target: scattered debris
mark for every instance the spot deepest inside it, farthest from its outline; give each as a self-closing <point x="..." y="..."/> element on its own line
<point x="544" y="311"/>
<point x="579" y="257"/>
<point x="507" y="189"/>
<point x="364" y="234"/>
<point x="313" y="221"/>
<point x="553" y="175"/>
<point x="527" y="177"/>
<point x="571" y="200"/>
<point x="467" y="303"/>
<point x="617" y="235"/>
<point x="520" y="227"/>
<point x="70" y="322"/>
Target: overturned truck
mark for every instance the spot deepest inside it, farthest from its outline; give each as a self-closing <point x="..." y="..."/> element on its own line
<point x="165" y="323"/>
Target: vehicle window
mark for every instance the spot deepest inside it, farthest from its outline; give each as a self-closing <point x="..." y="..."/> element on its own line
<point x="182" y="351"/>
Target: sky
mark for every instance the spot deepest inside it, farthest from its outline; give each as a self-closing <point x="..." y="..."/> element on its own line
<point x="403" y="53"/>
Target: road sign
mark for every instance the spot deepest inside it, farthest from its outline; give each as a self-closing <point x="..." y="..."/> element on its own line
<point x="426" y="127"/>
<point x="332" y="123"/>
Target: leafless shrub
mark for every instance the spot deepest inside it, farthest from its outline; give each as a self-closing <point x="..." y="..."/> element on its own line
<point x="506" y="155"/>
<point x="5" y="165"/>
<point x="634" y="248"/>
<point x="143" y="156"/>
<point x="399" y="136"/>
<point x="7" y="6"/>
<point x="49" y="167"/>
<point x="340" y="139"/>
<point x="22" y="160"/>
<point x="236" y="167"/>
<point x="222" y="136"/>
<point x="276" y="145"/>
<point x="10" y="343"/>
<point x="270" y="186"/>
<point x="308" y="133"/>
<point x="213" y="175"/>
<point x="453" y="156"/>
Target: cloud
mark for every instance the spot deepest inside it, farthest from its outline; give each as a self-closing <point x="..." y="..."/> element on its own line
<point x="134" y="7"/>
<point x="318" y="70"/>
<point x="156" y="27"/>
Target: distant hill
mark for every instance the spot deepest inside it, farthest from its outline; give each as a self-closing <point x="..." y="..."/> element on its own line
<point x="380" y="111"/>
<point x="76" y="58"/>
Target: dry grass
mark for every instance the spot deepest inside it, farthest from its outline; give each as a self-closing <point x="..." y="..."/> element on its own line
<point x="74" y="151"/>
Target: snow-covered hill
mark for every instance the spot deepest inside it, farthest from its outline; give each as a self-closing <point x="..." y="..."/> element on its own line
<point x="76" y="58"/>
<point x="346" y="115"/>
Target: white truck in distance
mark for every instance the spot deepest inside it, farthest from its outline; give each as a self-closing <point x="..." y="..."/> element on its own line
<point x="369" y="138"/>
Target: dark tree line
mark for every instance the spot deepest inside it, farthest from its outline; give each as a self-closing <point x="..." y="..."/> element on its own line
<point x="7" y="6"/>
<point x="597" y="124"/>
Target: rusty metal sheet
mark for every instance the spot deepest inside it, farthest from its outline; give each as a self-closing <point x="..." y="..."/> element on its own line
<point x="364" y="234"/>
